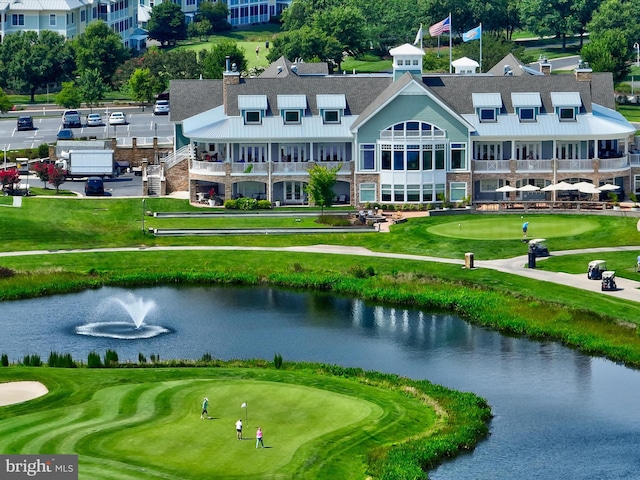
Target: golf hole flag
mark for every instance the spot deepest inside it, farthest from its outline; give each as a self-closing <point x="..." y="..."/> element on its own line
<point x="244" y="405"/>
<point x="440" y="27"/>
<point x="473" y="34"/>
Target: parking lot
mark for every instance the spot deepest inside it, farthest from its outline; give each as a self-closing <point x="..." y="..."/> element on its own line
<point x="125" y="185"/>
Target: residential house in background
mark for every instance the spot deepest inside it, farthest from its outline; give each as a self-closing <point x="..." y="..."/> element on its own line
<point x="399" y="138"/>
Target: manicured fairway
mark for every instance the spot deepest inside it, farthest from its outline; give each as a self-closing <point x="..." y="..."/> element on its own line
<point x="145" y="423"/>
<point x="508" y="227"/>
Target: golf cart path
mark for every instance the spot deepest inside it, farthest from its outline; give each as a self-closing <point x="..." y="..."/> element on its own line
<point x="627" y="289"/>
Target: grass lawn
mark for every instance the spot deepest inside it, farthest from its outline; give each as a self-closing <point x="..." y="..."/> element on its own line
<point x="630" y="112"/>
<point x="145" y="423"/>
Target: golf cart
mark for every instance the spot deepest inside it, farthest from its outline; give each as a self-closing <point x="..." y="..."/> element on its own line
<point x="538" y="246"/>
<point x="596" y="267"/>
<point x="608" y="280"/>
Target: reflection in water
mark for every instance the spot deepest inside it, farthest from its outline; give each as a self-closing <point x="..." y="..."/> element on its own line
<point x="558" y="414"/>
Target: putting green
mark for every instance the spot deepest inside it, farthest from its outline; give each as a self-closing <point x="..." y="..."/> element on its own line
<point x="150" y="428"/>
<point x="509" y="227"/>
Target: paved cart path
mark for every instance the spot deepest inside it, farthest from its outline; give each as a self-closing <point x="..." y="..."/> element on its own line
<point x="627" y="289"/>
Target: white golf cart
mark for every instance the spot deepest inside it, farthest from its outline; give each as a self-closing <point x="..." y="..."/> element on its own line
<point x="609" y="280"/>
<point x="596" y="267"/>
<point x="539" y="247"/>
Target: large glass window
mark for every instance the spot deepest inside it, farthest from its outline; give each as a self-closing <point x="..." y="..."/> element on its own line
<point x="440" y="157"/>
<point x="413" y="193"/>
<point x="458" y="190"/>
<point x="489" y="185"/>
<point x="253" y="153"/>
<point x="330" y="152"/>
<point x="293" y="153"/>
<point x="427" y="158"/>
<point x="427" y="193"/>
<point x="487" y="115"/>
<point x="367" y="157"/>
<point x="386" y="159"/>
<point x="252" y="117"/>
<point x="398" y="159"/>
<point x="291" y="116"/>
<point x="458" y="156"/>
<point x="331" y="116"/>
<point x="413" y="157"/>
<point x="398" y="193"/>
<point x="439" y="190"/>
<point x="17" y="19"/>
<point x="386" y="192"/>
<point x="487" y="151"/>
<point x="367" y="192"/>
<point x="567" y="114"/>
<point x="567" y="150"/>
<point x="527" y="114"/>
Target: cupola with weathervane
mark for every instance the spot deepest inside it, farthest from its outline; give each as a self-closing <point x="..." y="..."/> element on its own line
<point x="406" y="58"/>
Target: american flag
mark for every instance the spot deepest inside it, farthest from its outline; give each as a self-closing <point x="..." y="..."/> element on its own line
<point x="440" y="27"/>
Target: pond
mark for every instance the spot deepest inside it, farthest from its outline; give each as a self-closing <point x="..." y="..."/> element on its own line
<point x="559" y="414"/>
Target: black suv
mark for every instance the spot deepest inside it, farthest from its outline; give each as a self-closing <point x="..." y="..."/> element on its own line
<point x="94" y="186"/>
<point x="25" y="123"/>
<point x="71" y="119"/>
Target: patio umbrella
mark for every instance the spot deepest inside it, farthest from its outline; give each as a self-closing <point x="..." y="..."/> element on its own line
<point x="506" y="189"/>
<point x="550" y="188"/>
<point x="564" y="186"/>
<point x="608" y="186"/>
<point x="529" y="188"/>
<point x="588" y="188"/>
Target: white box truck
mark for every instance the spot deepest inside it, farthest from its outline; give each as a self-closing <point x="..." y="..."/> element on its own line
<point x="88" y="163"/>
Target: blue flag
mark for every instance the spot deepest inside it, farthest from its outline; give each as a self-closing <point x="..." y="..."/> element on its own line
<point x="473" y="34"/>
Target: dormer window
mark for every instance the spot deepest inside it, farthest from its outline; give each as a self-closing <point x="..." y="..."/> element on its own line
<point x="567" y="105"/>
<point x="527" y="114"/>
<point x="252" y="117"/>
<point x="252" y="108"/>
<point x="527" y="106"/>
<point x="331" y="116"/>
<point x="487" y="106"/>
<point x="488" y="114"/>
<point x="291" y="117"/>
<point x="331" y="107"/>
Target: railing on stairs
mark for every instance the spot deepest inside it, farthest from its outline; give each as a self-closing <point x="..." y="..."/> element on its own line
<point x="177" y="156"/>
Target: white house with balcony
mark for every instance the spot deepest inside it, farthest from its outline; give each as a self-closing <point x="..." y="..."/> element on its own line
<point x="69" y="18"/>
<point x="403" y="137"/>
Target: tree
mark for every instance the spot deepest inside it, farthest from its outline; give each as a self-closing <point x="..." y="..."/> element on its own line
<point x="9" y="177"/>
<point x="320" y="186"/>
<point x="57" y="175"/>
<point x="213" y="60"/>
<point x="216" y="13"/>
<point x="167" y="24"/>
<point x="608" y="52"/>
<point x="91" y="87"/>
<point x="69" y="96"/>
<point x="200" y="30"/>
<point x="30" y="61"/>
<point x="346" y="25"/>
<point x="5" y="103"/>
<point x="552" y="17"/>
<point x="141" y="85"/>
<point x="307" y="43"/>
<point x="99" y="47"/>
<point x="42" y="172"/>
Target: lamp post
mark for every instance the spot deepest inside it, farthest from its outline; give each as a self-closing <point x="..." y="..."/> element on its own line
<point x="143" y="212"/>
<point x="637" y="47"/>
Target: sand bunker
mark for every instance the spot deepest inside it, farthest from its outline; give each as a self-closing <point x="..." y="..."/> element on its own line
<point x="17" y="392"/>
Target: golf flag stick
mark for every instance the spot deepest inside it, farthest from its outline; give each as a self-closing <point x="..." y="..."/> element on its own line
<point x="246" y="413"/>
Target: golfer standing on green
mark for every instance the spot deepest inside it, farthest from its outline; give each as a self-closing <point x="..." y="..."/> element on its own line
<point x="205" y="404"/>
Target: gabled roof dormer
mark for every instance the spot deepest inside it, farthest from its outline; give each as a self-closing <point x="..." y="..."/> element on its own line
<point x="292" y="108"/>
<point x="331" y="107"/>
<point x="566" y="105"/>
<point x="487" y="106"/>
<point x="526" y="105"/>
<point x="253" y="108"/>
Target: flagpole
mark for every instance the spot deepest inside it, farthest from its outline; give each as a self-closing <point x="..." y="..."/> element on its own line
<point x="450" y="36"/>
<point x="480" y="47"/>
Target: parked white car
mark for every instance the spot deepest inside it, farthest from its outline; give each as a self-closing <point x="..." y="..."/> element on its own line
<point x="117" y="118"/>
<point x="161" y="107"/>
<point x="94" y="120"/>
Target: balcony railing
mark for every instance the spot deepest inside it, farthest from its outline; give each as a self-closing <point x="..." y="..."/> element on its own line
<point x="249" y="168"/>
<point x="575" y="165"/>
<point x="211" y="168"/>
<point x="634" y="159"/>
<point x="291" y="168"/>
<point x="614" y="163"/>
<point x="532" y="165"/>
<point x="412" y="134"/>
<point x="491" y="166"/>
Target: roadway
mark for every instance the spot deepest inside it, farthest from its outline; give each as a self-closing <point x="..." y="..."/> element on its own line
<point x="47" y="122"/>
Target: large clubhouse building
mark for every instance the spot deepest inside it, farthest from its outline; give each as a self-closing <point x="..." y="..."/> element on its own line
<point x="399" y="138"/>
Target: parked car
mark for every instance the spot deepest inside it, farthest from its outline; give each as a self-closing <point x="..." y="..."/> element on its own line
<point x="117" y="118"/>
<point x="94" y="186"/>
<point x="94" y="120"/>
<point x="71" y="119"/>
<point x="65" y="134"/>
<point x="25" y="123"/>
<point x="161" y="107"/>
